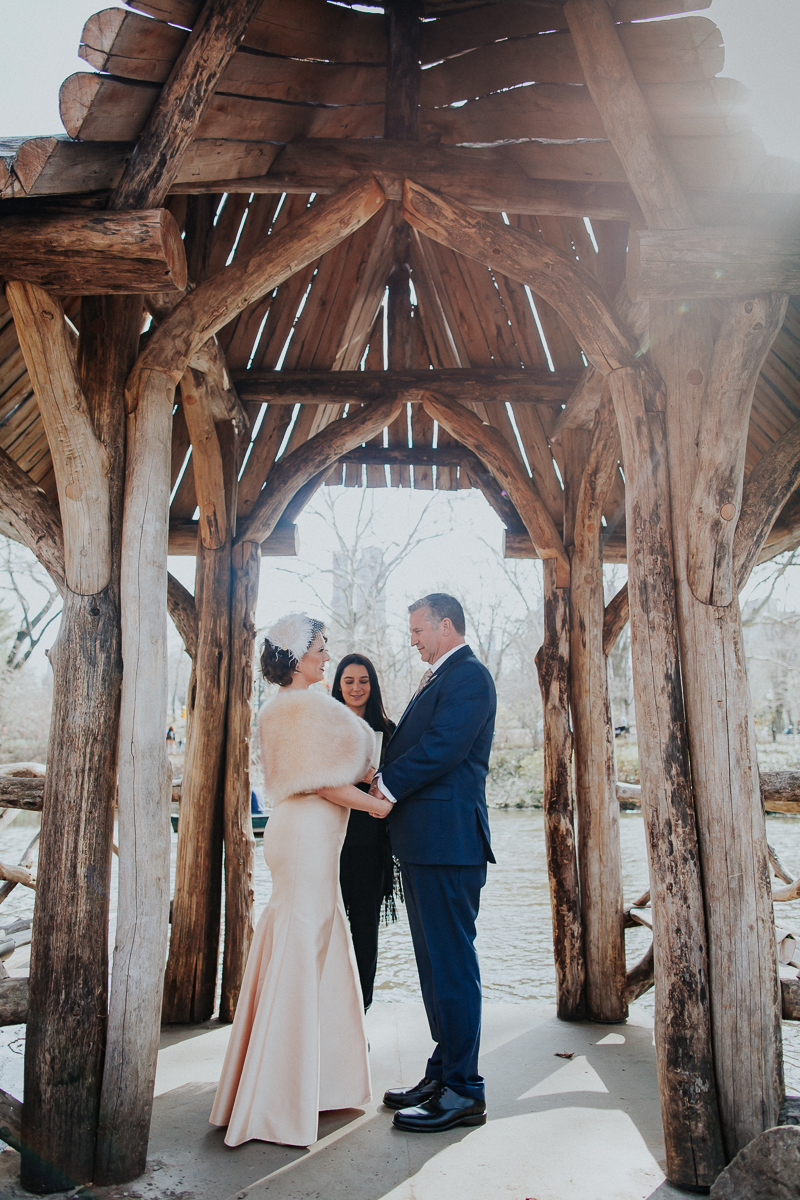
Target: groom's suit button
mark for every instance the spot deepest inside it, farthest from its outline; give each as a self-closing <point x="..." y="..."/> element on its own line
<point x="444" y="1110"/>
<point x="408" y="1097"/>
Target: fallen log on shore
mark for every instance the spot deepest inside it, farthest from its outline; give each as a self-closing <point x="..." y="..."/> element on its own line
<point x="780" y="791"/>
<point x="10" y="1120"/>
<point x="13" y="1006"/>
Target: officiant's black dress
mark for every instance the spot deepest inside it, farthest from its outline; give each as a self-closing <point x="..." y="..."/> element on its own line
<point x="366" y="872"/>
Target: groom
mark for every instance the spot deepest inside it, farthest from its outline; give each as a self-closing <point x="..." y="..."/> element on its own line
<point x="434" y="773"/>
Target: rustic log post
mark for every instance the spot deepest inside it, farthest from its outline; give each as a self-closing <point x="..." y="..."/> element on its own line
<point x="684" y="1057"/>
<point x="69" y="957"/>
<point x="743" y="975"/>
<point x="145" y="779"/>
<point x="191" y="974"/>
<point x="599" y="856"/>
<point x="239" y="843"/>
<point x="209" y="479"/>
<point x="552" y="664"/>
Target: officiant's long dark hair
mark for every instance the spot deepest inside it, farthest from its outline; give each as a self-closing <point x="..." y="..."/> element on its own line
<point x="374" y="713"/>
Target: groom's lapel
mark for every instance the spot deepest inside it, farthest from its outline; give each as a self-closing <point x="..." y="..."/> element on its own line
<point x="435" y="678"/>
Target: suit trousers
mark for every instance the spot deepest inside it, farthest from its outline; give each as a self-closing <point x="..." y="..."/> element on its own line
<point x="442" y="904"/>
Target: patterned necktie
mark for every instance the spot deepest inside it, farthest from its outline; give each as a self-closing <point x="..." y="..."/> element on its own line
<point x="423" y="683"/>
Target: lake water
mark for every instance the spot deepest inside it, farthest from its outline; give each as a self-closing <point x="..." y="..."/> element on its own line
<point x="514" y="926"/>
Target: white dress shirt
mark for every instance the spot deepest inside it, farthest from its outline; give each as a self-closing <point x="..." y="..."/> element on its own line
<point x="433" y="669"/>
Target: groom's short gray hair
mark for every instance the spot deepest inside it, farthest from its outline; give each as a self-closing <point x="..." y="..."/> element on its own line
<point x="440" y="605"/>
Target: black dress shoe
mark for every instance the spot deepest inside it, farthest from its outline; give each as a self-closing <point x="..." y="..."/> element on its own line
<point x="408" y="1097"/>
<point x="444" y="1110"/>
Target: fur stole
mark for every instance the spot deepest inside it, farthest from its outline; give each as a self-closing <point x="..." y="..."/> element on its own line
<point x="309" y="741"/>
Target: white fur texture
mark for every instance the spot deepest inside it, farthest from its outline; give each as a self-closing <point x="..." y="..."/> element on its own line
<point x="309" y="741"/>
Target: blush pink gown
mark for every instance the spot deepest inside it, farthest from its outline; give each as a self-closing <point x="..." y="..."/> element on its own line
<point x="298" y="1044"/>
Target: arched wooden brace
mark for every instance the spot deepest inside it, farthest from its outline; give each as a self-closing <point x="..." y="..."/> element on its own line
<point x="769" y="485"/>
<point x="748" y="330"/>
<point x="35" y="521"/>
<point x="616" y="618"/>
<point x="80" y="460"/>
<point x="494" y="451"/>
<point x="687" y="1085"/>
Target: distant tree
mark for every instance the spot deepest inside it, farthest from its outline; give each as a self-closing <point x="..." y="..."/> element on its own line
<point x="35" y="601"/>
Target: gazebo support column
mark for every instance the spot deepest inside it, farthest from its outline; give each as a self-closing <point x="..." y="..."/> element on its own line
<point x="66" y="1037"/>
<point x="588" y="478"/>
<point x="684" y="1061"/>
<point x="239" y="843"/>
<point x="552" y="664"/>
<point x="191" y="974"/>
<point x="745" y="1000"/>
<point x="145" y="780"/>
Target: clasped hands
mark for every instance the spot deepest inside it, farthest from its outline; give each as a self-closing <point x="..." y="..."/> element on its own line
<point x="377" y="794"/>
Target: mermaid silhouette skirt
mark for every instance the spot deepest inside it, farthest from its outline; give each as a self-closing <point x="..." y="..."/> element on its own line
<point x="297" y="1045"/>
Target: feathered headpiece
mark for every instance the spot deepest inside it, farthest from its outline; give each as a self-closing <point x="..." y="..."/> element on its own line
<point x="294" y="633"/>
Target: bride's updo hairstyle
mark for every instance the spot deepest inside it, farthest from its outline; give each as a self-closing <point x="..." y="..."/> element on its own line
<point x="285" y="644"/>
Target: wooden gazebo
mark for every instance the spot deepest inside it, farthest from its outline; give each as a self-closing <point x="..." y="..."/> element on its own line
<point x="532" y="248"/>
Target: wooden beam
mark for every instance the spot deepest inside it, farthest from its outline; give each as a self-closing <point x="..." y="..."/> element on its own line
<point x="95" y="253"/>
<point x="466" y="384"/>
<point x="766" y="490"/>
<point x="780" y="791"/>
<point x="308" y="460"/>
<point x="403" y="69"/>
<point x="157" y="157"/>
<point x="519" y="545"/>
<point x="217" y="300"/>
<point x="486" y="179"/>
<point x="183" y="610"/>
<point x="33" y="518"/>
<point x="552" y="665"/>
<point x="625" y="114"/>
<point x="283" y="542"/>
<point x="80" y="460"/>
<point x="496" y="454"/>
<point x="209" y="480"/>
<point x="551" y="273"/>
<point x="748" y="330"/>
<point x="413" y="456"/>
<point x="615" y="619"/>
<point x="721" y="262"/>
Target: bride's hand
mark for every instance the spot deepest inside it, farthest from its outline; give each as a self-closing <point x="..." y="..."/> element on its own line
<point x="370" y="775"/>
<point x="381" y="807"/>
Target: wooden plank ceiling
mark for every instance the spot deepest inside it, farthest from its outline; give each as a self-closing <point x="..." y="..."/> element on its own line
<point x="499" y="78"/>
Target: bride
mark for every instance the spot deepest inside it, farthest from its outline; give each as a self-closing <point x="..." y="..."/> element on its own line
<point x="297" y="1045"/>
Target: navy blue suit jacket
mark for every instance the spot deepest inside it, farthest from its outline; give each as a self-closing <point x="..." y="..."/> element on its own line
<point x="436" y="764"/>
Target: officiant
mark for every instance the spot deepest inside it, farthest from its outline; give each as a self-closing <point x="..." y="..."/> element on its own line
<point x="367" y="873"/>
